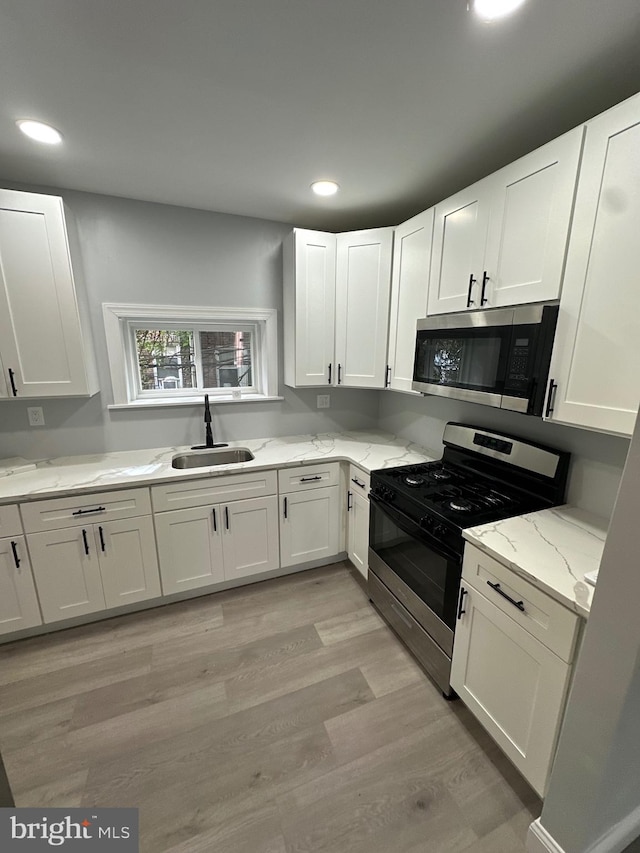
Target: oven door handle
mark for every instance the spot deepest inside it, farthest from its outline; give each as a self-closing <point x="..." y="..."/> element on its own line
<point x="412" y="528"/>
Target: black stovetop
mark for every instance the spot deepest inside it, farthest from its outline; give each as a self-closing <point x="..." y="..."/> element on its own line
<point x="460" y="497"/>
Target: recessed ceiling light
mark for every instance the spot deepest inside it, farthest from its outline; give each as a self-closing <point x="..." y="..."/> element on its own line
<point x="489" y="10"/>
<point x="325" y="187"/>
<point x="39" y="131"/>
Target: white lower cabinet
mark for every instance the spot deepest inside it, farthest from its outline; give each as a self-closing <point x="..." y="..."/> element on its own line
<point x="207" y="545"/>
<point x="309" y="525"/>
<point x="66" y="570"/>
<point x="18" y="600"/>
<point x="507" y="676"/>
<point x="250" y="537"/>
<point x="358" y="520"/>
<point x="81" y="570"/>
<point x="190" y="548"/>
<point x="358" y="533"/>
<point x="128" y="560"/>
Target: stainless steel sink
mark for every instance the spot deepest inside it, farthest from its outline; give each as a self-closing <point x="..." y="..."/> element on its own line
<point x="208" y="458"/>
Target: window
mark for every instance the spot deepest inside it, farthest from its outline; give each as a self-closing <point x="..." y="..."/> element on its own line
<point x="173" y="354"/>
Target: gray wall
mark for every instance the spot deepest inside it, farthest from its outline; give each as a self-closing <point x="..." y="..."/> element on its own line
<point x="133" y="251"/>
<point x="597" y="460"/>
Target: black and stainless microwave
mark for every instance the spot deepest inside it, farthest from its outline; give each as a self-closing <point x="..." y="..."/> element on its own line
<point x="499" y="357"/>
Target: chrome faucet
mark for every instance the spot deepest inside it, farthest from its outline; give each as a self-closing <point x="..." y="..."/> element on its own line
<point x="208" y="431"/>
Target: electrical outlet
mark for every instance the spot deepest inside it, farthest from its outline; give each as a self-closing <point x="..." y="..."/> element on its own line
<point x="323" y="401"/>
<point x="35" y="415"/>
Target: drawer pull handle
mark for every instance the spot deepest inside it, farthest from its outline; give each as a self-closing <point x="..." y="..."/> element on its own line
<point x="483" y="298"/>
<point x="461" y="609"/>
<point x="16" y="559"/>
<point x="329" y="375"/>
<point x="550" y="399"/>
<point x="357" y="482"/>
<point x="472" y="281"/>
<point x="402" y="617"/>
<point x="89" y="511"/>
<point x="518" y="604"/>
<point x="285" y="508"/>
<point x="349" y="504"/>
<point x="86" y="541"/>
<point x="101" y="532"/>
<point x="14" y="390"/>
<point x="309" y="479"/>
<point x="226" y="517"/>
<point x="215" y="521"/>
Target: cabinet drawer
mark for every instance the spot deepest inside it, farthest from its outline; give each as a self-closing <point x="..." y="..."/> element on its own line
<point x="546" y="619"/>
<point x="72" y="512"/>
<point x="359" y="481"/>
<point x="308" y="477"/>
<point x="213" y="490"/>
<point x="10" y="524"/>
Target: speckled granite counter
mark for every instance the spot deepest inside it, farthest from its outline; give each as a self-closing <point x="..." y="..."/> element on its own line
<point x="553" y="549"/>
<point x="80" y="474"/>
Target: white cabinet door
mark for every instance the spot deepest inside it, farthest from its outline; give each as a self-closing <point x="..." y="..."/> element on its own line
<point x="531" y="206"/>
<point x="18" y="601"/>
<point x="596" y="356"/>
<point x="128" y="561"/>
<point x="250" y="537"/>
<point x="190" y="548"/>
<point x="309" y="308"/>
<point x="43" y="351"/>
<point x="66" y="570"/>
<point x="309" y="525"/>
<point x="459" y="238"/>
<point x="358" y="532"/>
<point x="363" y="283"/>
<point x="409" y="291"/>
<point x="512" y="683"/>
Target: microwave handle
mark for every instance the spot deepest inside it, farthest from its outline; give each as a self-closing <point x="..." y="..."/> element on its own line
<point x="472" y="281"/>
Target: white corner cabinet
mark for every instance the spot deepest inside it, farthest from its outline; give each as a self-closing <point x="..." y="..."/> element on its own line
<point x="358" y="519"/>
<point x="596" y="357"/>
<point x="45" y="349"/>
<point x="336" y="307"/>
<point x="513" y="652"/>
<point x="216" y="529"/>
<point x="92" y="553"/>
<point x="502" y="241"/>
<point x="19" y="607"/>
<point x="309" y="513"/>
<point x="409" y="289"/>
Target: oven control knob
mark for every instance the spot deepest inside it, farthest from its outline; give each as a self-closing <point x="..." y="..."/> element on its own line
<point x="426" y="521"/>
<point x="439" y="530"/>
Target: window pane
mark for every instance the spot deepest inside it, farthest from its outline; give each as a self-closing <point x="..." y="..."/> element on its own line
<point x="227" y="359"/>
<point x="165" y="359"/>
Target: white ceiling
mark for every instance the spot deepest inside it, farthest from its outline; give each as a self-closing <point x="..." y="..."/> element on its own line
<point x="237" y="105"/>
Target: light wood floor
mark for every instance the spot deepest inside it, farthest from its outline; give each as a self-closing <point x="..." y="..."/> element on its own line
<point x="283" y="717"/>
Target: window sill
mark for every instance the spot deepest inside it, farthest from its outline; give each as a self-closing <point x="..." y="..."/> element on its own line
<point x="192" y="401"/>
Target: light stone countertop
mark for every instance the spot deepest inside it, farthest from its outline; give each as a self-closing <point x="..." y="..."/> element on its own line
<point x="70" y="475"/>
<point x="553" y="549"/>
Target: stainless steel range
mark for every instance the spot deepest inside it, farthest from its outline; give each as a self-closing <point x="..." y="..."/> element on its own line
<point x="417" y="516"/>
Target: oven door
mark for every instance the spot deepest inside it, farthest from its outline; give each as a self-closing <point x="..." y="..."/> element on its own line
<point x="464" y="356"/>
<point x="429" y="576"/>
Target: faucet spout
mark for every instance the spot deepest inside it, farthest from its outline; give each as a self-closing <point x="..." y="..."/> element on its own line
<point x="209" y="442"/>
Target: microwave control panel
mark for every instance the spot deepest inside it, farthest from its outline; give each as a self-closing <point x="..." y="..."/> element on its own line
<point x="519" y="367"/>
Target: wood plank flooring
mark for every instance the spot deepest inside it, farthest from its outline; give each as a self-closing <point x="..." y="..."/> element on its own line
<point x="283" y="717"/>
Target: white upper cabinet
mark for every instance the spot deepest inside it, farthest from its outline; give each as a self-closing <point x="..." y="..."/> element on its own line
<point x="309" y="307"/>
<point x="41" y="342"/>
<point x="409" y="288"/>
<point x="596" y="357"/>
<point x="363" y="283"/>
<point x="459" y="238"/>
<point x="503" y="240"/>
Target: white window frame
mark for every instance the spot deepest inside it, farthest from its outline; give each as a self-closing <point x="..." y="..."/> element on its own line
<point x="120" y="320"/>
